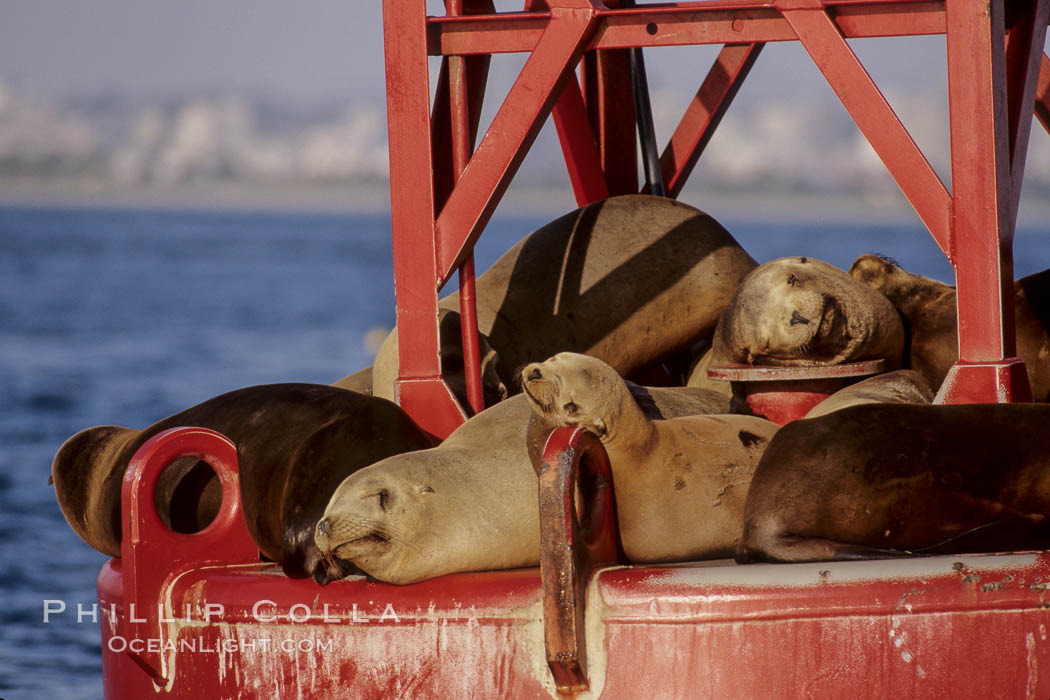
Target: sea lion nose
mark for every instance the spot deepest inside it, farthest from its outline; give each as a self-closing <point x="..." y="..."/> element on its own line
<point x="797" y="318"/>
<point x="535" y="374"/>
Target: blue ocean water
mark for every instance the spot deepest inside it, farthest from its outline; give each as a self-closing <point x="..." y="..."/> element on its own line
<point x="125" y="317"/>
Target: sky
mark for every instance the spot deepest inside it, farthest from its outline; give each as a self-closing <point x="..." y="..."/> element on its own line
<point x="315" y="51"/>
<point x="320" y="53"/>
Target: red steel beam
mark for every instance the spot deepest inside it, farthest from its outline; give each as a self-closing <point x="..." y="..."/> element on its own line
<point x="610" y="103"/>
<point x="704" y="114"/>
<point x="578" y="146"/>
<point x="1042" y="94"/>
<point x="876" y="119"/>
<point x="982" y="186"/>
<point x="681" y="25"/>
<point x="464" y="111"/>
<point x="420" y="389"/>
<point x="510" y="135"/>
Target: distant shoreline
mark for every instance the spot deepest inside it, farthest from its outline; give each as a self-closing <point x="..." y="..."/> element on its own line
<point x="520" y="201"/>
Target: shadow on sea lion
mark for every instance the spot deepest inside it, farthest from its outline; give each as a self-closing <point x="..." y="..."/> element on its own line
<point x="928" y="307"/>
<point x="468" y="504"/>
<point x="803" y="312"/>
<point x="632" y="280"/>
<point x="295" y="445"/>
<point x="680" y="483"/>
<point x="892" y="479"/>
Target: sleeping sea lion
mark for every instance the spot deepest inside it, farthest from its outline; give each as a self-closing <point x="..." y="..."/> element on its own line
<point x="881" y="479"/>
<point x="899" y="386"/>
<point x="295" y="444"/>
<point x="680" y="483"/>
<point x="632" y="280"/>
<point x="805" y="312"/>
<point x="928" y="307"/>
<point x="468" y="504"/>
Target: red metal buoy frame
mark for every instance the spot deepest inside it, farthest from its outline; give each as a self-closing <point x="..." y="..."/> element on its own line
<point x="441" y="200"/>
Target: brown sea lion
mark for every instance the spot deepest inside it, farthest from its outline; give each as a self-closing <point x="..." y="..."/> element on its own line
<point x="899" y="386"/>
<point x="680" y="483"/>
<point x="468" y="504"/>
<point x="882" y="479"/>
<point x="928" y="307"/>
<point x="804" y="312"/>
<point x="631" y="280"/>
<point x="295" y="444"/>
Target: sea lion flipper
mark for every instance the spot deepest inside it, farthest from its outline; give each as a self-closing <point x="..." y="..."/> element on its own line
<point x="795" y="549"/>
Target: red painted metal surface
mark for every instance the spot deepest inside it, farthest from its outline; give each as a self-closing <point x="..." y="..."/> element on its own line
<point x="578" y="145"/>
<point x="578" y="534"/>
<point x="784" y="394"/>
<point x="155" y="556"/>
<point x="966" y="626"/>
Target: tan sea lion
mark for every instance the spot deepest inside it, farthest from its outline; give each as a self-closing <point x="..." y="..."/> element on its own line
<point x="295" y="444"/>
<point x="883" y="479"/>
<point x="680" y="483"/>
<point x="899" y="386"/>
<point x="928" y="307"/>
<point x="631" y="280"/>
<point x="468" y="504"/>
<point x="804" y="312"/>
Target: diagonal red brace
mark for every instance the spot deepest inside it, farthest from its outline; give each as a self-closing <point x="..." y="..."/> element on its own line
<point x="510" y="135"/>
<point x="705" y="113"/>
<point x="873" y="115"/>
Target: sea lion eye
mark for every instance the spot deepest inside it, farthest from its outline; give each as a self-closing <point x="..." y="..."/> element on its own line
<point x="571" y="408"/>
<point x="792" y="280"/>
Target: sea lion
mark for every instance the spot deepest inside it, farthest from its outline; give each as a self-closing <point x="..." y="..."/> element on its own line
<point x="468" y="504"/>
<point x="295" y="444"/>
<point x="359" y="381"/>
<point x="680" y="483"/>
<point x="928" y="307"/>
<point x="804" y="312"/>
<point x="631" y="280"/>
<point x="899" y="386"/>
<point x="880" y="479"/>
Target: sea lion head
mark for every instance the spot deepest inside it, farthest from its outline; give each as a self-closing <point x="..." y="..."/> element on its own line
<point x="467" y="504"/>
<point x="383" y="521"/>
<point x="802" y="311"/>
<point x="574" y="389"/>
<point x="881" y="273"/>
